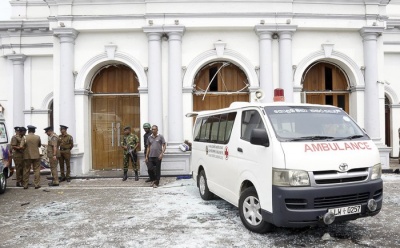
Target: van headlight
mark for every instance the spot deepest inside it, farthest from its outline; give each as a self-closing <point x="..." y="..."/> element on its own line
<point x="290" y="178"/>
<point x="376" y="172"/>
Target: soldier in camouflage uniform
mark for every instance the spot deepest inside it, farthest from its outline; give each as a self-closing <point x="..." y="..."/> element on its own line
<point x="52" y="154"/>
<point x="129" y="144"/>
<point x="18" y="155"/>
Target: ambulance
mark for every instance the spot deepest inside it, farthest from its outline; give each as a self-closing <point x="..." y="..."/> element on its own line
<point x="5" y="156"/>
<point x="286" y="165"/>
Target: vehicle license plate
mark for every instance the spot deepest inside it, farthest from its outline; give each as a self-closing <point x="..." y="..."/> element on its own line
<point x="346" y="210"/>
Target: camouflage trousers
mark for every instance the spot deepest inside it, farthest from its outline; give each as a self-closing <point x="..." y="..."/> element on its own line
<point x="128" y="157"/>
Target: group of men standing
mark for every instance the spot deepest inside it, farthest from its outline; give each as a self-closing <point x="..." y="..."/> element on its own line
<point x="25" y="153"/>
<point x="154" y="149"/>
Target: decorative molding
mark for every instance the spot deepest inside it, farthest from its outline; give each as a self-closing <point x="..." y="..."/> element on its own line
<point x="143" y="90"/>
<point x="110" y="50"/>
<point x="93" y="64"/>
<point x="351" y="68"/>
<point x="187" y="90"/>
<point x="37" y="111"/>
<point x="328" y="48"/>
<point x="82" y="92"/>
<point x="392" y="95"/>
<point x="46" y="101"/>
<point x="220" y="48"/>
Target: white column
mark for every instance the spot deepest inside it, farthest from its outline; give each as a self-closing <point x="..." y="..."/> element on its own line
<point x="371" y="100"/>
<point x="265" y="34"/>
<point x="285" y="61"/>
<point x="175" y="114"/>
<point x="66" y="103"/>
<point x="154" y="73"/>
<point x="18" y="88"/>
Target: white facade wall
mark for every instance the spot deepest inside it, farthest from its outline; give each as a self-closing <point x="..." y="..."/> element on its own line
<point x="114" y="33"/>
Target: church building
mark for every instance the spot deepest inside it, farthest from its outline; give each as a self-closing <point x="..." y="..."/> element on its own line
<point x="97" y="66"/>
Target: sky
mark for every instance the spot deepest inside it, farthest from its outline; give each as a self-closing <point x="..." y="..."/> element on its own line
<point x="5" y="10"/>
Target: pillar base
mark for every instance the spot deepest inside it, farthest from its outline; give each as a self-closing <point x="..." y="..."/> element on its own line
<point x="174" y="163"/>
<point x="384" y="152"/>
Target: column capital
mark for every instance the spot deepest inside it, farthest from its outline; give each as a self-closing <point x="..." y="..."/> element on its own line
<point x="153" y="30"/>
<point x="371" y="32"/>
<point x="264" y="32"/>
<point x="16" y="58"/>
<point x="178" y="29"/>
<point x="66" y="35"/>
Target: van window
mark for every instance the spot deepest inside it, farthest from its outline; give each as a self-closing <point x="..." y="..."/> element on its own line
<point x="251" y="119"/>
<point x="302" y="121"/>
<point x="214" y="129"/>
<point x="3" y="134"/>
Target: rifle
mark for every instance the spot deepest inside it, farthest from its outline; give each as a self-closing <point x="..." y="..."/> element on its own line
<point x="132" y="153"/>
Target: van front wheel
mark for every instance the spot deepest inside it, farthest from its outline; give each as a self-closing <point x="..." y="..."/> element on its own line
<point x="3" y="183"/>
<point x="205" y="193"/>
<point x="250" y="212"/>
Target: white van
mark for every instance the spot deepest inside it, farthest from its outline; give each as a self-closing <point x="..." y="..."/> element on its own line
<point x="286" y="165"/>
<point x="5" y="158"/>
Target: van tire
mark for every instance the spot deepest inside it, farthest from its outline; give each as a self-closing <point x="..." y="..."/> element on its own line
<point x="250" y="212"/>
<point x="205" y="193"/>
<point x="3" y="183"/>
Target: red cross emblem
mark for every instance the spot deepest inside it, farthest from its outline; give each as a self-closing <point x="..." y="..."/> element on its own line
<point x="226" y="152"/>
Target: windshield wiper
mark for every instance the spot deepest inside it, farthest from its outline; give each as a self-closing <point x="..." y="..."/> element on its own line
<point x="312" y="138"/>
<point x="350" y="137"/>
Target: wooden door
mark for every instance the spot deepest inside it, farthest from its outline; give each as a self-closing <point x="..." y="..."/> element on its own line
<point x="228" y="84"/>
<point x="326" y="84"/>
<point x="115" y="104"/>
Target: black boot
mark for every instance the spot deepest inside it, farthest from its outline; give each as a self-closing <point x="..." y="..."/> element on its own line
<point x="125" y="176"/>
<point x="136" y="176"/>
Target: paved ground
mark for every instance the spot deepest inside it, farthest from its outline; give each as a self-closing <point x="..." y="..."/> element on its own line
<point x="110" y="213"/>
<point x="103" y="211"/>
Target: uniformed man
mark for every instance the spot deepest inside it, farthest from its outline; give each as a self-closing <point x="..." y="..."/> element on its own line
<point x="52" y="154"/>
<point x="17" y="155"/>
<point x="129" y="144"/>
<point x="147" y="133"/>
<point x="31" y="143"/>
<point x="66" y="144"/>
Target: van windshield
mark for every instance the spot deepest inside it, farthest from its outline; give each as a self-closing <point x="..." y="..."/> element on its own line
<point x="305" y="123"/>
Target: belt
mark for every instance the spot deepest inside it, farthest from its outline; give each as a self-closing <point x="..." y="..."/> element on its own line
<point x="64" y="149"/>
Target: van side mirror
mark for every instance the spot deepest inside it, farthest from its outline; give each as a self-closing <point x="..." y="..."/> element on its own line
<point x="259" y="137"/>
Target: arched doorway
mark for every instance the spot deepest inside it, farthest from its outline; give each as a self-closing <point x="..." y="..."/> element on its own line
<point x="326" y="83"/>
<point x="388" y="141"/>
<point x="218" y="84"/>
<point x="115" y="104"/>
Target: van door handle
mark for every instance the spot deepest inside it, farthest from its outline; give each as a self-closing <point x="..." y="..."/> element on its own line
<point x="240" y="149"/>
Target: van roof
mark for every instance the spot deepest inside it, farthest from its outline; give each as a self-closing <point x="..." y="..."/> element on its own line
<point x="240" y="105"/>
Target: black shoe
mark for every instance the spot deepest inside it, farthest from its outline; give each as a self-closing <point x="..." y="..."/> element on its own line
<point x="62" y="179"/>
<point x="125" y="176"/>
<point x="68" y="180"/>
<point x="53" y="184"/>
<point x="37" y="187"/>
<point x="19" y="185"/>
<point x="136" y="176"/>
<point x="25" y="187"/>
<point x="149" y="180"/>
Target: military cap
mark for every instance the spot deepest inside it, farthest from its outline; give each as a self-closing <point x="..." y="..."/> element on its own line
<point x="48" y="129"/>
<point x="127" y="127"/>
<point x="17" y="128"/>
<point x="22" y="129"/>
<point x="63" y="127"/>
<point x="31" y="127"/>
<point x="147" y="125"/>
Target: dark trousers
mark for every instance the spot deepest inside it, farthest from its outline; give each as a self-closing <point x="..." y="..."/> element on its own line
<point x="154" y="164"/>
